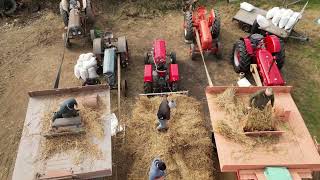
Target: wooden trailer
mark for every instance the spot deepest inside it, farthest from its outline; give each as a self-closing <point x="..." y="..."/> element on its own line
<point x="30" y="165"/>
<point x="294" y="149"/>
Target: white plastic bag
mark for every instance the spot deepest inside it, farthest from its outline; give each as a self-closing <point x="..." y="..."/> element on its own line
<point x="283" y="21"/>
<point x="246" y="6"/>
<point x="288" y="12"/>
<point x="271" y="12"/>
<point x="262" y="21"/>
<point x="77" y="71"/>
<point x="84" y="74"/>
<point x="292" y="20"/>
<point x="277" y="17"/>
<point x="87" y="56"/>
<point x="92" y="72"/>
<point x="92" y="62"/>
<point x="297" y="15"/>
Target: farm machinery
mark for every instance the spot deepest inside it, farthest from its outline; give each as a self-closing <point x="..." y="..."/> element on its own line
<point x="262" y="55"/>
<point x="112" y="54"/>
<point x="161" y="72"/>
<point x="199" y="27"/>
<point x="7" y="7"/>
<point x="77" y="17"/>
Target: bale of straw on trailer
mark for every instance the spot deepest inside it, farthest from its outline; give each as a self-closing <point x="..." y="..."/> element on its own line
<point x="260" y="120"/>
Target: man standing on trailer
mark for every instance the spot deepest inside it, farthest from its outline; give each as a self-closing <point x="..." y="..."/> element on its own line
<point x="157" y="170"/>
<point x="163" y="114"/>
<point x="261" y="98"/>
<point x="67" y="110"/>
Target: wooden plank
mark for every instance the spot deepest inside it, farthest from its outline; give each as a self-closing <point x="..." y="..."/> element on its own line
<point x="164" y="93"/>
<point x="255" y="74"/>
<point x="247" y="90"/>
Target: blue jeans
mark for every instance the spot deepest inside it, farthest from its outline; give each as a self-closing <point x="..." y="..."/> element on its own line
<point x="162" y="124"/>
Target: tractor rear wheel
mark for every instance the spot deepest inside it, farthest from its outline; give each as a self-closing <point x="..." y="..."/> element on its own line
<point x="192" y="52"/>
<point x="9" y="6"/>
<point x="147" y="58"/>
<point x="124" y="87"/>
<point x="89" y="12"/>
<point x="65" y="16"/>
<point x="215" y="28"/>
<point x="280" y="55"/>
<point x="147" y="87"/>
<point x="173" y="58"/>
<point x="188" y="29"/>
<point x="241" y="60"/>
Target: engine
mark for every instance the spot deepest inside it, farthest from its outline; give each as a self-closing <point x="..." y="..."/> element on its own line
<point x="205" y="35"/>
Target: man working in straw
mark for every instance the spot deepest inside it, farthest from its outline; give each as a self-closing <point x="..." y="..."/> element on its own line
<point x="157" y="169"/>
<point x="163" y="114"/>
<point x="261" y="98"/>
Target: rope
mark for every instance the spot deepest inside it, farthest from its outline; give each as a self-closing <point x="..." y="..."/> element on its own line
<point x="204" y="63"/>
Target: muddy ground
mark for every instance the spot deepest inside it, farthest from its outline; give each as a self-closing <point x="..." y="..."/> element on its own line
<point x="31" y="50"/>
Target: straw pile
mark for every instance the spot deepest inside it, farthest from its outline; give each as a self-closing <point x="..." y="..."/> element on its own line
<point x="260" y="120"/>
<point x="81" y="144"/>
<point x="186" y="147"/>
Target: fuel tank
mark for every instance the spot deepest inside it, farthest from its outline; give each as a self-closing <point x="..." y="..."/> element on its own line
<point x="109" y="61"/>
<point x="159" y="51"/>
<point x="74" y="19"/>
<point x="205" y="35"/>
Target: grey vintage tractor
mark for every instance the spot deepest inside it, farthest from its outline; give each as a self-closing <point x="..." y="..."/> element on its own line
<point x="7" y="7"/>
<point x="78" y="19"/>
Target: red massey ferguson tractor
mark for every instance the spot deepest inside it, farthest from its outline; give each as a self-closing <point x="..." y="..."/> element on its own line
<point x="208" y="29"/>
<point x="161" y="73"/>
<point x="267" y="52"/>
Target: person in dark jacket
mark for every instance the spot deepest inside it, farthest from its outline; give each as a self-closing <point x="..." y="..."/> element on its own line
<point x="157" y="169"/>
<point x="67" y="109"/>
<point x="91" y="81"/>
<point x="163" y="114"/>
<point x="261" y="98"/>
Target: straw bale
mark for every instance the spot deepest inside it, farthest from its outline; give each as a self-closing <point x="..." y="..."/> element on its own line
<point x="260" y="120"/>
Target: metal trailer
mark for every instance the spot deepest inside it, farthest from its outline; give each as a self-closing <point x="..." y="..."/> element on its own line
<point x="295" y="149"/>
<point x="246" y="20"/>
<point x="29" y="165"/>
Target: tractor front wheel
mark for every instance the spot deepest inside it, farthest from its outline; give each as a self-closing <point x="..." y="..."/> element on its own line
<point x="147" y="87"/>
<point x="147" y="58"/>
<point x="280" y="55"/>
<point x="188" y="27"/>
<point x="192" y="52"/>
<point x="173" y="58"/>
<point x="124" y="87"/>
<point x="89" y="12"/>
<point x="241" y="60"/>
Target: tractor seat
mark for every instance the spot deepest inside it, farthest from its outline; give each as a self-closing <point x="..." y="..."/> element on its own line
<point x="255" y="39"/>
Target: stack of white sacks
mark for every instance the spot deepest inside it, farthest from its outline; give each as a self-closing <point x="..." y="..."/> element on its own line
<point x="283" y="18"/>
<point x="86" y="67"/>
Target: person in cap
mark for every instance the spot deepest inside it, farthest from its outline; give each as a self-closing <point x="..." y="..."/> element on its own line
<point x="261" y="98"/>
<point x="157" y="169"/>
<point x="163" y="114"/>
<point x="67" y="109"/>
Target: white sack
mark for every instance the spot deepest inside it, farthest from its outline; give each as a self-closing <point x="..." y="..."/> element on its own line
<point x="92" y="62"/>
<point x="288" y="12"/>
<point x="246" y="6"/>
<point x="283" y="21"/>
<point x="262" y="21"/>
<point x="277" y="17"/>
<point x="81" y="58"/>
<point x="92" y="72"/>
<point x="291" y="22"/>
<point x="77" y="71"/>
<point x="297" y="15"/>
<point x="271" y="12"/>
<point x="84" y="74"/>
<point x="88" y="56"/>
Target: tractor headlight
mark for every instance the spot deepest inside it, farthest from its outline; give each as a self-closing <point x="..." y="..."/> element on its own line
<point x="74" y="33"/>
<point x="79" y="32"/>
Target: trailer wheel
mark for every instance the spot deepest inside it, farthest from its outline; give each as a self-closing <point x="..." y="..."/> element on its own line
<point x="124" y="87"/>
<point x="174" y="86"/>
<point x="215" y="28"/>
<point x="173" y="58"/>
<point x="147" y="58"/>
<point x="192" y="52"/>
<point x="188" y="29"/>
<point x="9" y="6"/>
<point x="147" y="87"/>
<point x="245" y="27"/>
<point x="280" y="55"/>
<point x="66" y="40"/>
<point x="89" y="12"/>
<point x="241" y="60"/>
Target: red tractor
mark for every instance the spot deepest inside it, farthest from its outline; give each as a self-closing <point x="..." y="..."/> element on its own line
<point x="208" y="29"/>
<point x="266" y="51"/>
<point x="161" y="73"/>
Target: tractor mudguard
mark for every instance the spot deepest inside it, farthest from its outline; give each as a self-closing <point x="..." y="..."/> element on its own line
<point x="272" y="44"/>
<point x="147" y="73"/>
<point x="122" y="44"/>
<point x="173" y="73"/>
<point x="109" y="61"/>
<point x="212" y="17"/>
<point x="205" y="35"/>
<point x="249" y="48"/>
<point x="159" y="51"/>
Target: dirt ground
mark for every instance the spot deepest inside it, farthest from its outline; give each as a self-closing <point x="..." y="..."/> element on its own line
<point x="31" y="50"/>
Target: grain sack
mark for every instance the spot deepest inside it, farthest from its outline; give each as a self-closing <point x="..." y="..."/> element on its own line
<point x="77" y="71"/>
<point x="84" y="74"/>
<point x="277" y="17"/>
<point x="271" y="12"/>
<point x="292" y="20"/>
<point x="262" y="21"/>
<point x="283" y="21"/>
<point x="246" y="6"/>
<point x="92" y="62"/>
<point x="92" y="73"/>
<point x="288" y="12"/>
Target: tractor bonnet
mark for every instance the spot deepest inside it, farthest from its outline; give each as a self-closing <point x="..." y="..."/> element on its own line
<point x="159" y="51"/>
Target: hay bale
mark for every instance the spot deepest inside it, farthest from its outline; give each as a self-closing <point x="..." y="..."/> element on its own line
<point x="260" y="120"/>
<point x="226" y="99"/>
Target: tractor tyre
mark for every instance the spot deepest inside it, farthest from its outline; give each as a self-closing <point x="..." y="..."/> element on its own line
<point x="66" y="40"/>
<point x="147" y="87"/>
<point x="188" y="29"/>
<point x="9" y="6"/>
<point x="92" y="34"/>
<point x="89" y="12"/>
<point x="147" y="58"/>
<point x="124" y="88"/>
<point x="219" y="50"/>
<point x="174" y="87"/>
<point x="215" y="28"/>
<point x="192" y="52"/>
<point x="280" y="55"/>
<point x="173" y="58"/>
<point x="97" y="46"/>
<point x="64" y="15"/>
<point x="240" y="58"/>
